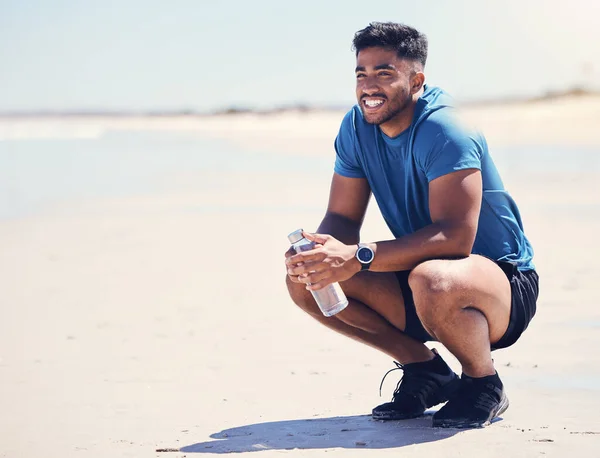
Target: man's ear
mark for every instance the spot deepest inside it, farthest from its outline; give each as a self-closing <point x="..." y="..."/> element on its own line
<point x="417" y="81"/>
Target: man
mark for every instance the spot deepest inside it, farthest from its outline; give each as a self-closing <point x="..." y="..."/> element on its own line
<point x="459" y="270"/>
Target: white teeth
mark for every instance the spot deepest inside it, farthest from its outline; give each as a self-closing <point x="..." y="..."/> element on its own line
<point x="373" y="103"/>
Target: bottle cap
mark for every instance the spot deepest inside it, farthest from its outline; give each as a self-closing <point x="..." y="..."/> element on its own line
<point x="295" y="236"/>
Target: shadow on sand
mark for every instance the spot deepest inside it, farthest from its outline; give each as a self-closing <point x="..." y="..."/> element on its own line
<point x="359" y="431"/>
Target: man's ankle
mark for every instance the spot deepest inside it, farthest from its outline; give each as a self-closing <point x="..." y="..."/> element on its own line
<point x="420" y="358"/>
<point x="436" y="365"/>
<point x="493" y="379"/>
<point x="479" y="372"/>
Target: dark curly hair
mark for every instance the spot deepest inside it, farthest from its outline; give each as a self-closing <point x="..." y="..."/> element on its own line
<point x="408" y="42"/>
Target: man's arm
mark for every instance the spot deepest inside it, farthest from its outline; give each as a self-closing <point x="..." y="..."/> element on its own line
<point x="454" y="207"/>
<point x="348" y="201"/>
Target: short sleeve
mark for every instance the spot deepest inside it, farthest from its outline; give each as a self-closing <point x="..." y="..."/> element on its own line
<point x="346" y="149"/>
<point x="443" y="146"/>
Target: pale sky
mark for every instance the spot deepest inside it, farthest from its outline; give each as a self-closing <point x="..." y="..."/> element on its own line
<point x="210" y="54"/>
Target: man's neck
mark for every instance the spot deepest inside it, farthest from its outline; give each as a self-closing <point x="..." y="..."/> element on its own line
<point x="402" y="120"/>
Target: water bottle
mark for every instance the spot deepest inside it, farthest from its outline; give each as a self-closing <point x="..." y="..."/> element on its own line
<point x="331" y="299"/>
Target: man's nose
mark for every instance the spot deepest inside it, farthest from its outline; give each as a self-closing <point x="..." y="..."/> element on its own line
<point x="369" y="86"/>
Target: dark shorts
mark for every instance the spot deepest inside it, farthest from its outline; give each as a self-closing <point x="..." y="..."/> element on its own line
<point x="524" y="294"/>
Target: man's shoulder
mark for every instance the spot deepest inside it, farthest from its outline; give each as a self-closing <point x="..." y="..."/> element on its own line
<point x="439" y="119"/>
<point x="446" y="122"/>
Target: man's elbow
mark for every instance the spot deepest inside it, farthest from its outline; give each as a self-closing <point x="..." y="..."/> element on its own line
<point x="461" y="241"/>
<point x="463" y="250"/>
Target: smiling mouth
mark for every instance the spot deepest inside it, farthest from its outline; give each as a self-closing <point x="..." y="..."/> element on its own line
<point x="372" y="104"/>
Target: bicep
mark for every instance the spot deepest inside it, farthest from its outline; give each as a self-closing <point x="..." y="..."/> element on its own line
<point x="349" y="197"/>
<point x="455" y="200"/>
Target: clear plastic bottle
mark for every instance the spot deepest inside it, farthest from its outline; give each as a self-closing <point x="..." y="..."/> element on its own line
<point x="331" y="299"/>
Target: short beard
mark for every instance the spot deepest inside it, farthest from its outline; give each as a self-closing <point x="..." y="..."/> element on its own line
<point x="390" y="114"/>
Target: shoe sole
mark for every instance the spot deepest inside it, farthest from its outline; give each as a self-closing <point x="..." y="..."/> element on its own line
<point x="502" y="406"/>
<point x="392" y="417"/>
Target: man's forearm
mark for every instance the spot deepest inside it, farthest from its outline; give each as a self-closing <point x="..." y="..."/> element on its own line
<point x="436" y="241"/>
<point x="344" y="229"/>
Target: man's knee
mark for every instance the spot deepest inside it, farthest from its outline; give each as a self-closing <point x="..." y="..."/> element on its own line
<point x="434" y="291"/>
<point x="302" y="297"/>
<point x="432" y="279"/>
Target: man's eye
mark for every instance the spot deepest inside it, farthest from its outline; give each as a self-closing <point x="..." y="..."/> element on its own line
<point x="359" y="76"/>
<point x="385" y="74"/>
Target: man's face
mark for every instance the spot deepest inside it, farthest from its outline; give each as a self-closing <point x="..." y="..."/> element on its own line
<point x="382" y="84"/>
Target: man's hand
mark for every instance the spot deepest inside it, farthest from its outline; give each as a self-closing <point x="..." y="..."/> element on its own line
<point x="288" y="254"/>
<point x="329" y="262"/>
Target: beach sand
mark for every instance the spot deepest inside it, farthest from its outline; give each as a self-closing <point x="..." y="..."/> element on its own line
<point x="160" y="321"/>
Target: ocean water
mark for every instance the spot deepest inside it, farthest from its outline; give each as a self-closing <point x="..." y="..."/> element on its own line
<point x="37" y="173"/>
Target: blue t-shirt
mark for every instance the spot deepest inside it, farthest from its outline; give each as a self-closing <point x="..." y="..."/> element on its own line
<point x="399" y="170"/>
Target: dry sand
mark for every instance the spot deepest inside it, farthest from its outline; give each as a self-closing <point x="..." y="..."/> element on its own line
<point x="134" y="324"/>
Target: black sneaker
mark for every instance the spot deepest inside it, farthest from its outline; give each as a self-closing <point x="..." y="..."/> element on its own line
<point x="423" y="385"/>
<point x="477" y="402"/>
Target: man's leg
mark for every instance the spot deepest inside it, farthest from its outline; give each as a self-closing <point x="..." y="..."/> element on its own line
<point x="376" y="316"/>
<point x="465" y="304"/>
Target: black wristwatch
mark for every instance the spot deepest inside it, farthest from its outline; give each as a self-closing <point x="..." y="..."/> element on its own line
<point x="365" y="256"/>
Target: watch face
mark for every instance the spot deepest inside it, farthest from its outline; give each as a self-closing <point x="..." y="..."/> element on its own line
<point x="365" y="255"/>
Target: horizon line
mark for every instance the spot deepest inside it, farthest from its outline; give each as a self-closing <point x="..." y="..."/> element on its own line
<point x="577" y="91"/>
